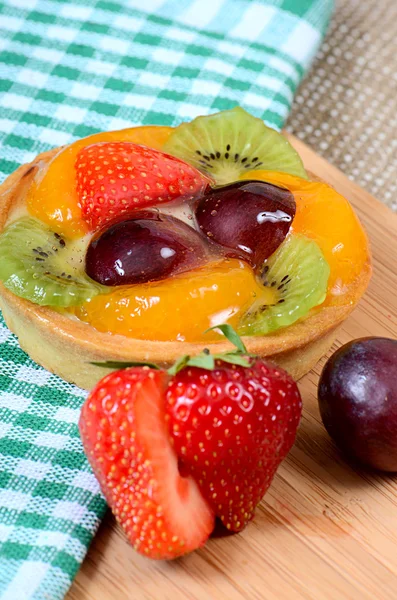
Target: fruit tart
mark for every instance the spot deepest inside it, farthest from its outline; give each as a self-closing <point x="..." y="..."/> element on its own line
<point x="130" y="245"/>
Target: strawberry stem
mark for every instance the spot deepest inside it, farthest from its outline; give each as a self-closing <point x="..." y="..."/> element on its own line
<point x="117" y="365"/>
<point x="204" y="360"/>
<point x="231" y="335"/>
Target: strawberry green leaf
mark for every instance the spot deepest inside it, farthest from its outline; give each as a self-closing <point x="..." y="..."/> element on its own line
<point x="204" y="361"/>
<point x="231" y="335"/>
<point x="116" y="365"/>
<point x="234" y="359"/>
<point x="179" y="365"/>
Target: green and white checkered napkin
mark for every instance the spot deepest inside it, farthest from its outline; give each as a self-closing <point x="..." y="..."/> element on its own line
<point x="69" y="69"/>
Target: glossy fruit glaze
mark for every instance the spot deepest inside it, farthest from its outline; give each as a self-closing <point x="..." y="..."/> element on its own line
<point x="327" y="217"/>
<point x="147" y="247"/>
<point x="139" y="311"/>
<point x="321" y="214"/>
<point x="249" y="218"/>
<point x="179" y="308"/>
<point x="117" y="178"/>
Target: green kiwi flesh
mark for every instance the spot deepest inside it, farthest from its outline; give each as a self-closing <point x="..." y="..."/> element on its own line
<point x="41" y="266"/>
<point x="299" y="273"/>
<point x="229" y="143"/>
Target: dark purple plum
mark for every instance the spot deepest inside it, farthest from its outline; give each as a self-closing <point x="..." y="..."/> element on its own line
<point x="147" y="247"/>
<point x="249" y="218"/>
<point x="357" y="396"/>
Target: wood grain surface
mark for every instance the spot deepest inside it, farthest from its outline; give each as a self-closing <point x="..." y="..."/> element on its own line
<point x="326" y="530"/>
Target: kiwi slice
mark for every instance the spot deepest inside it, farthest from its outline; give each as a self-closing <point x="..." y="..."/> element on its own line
<point x="298" y="272"/>
<point x="41" y="266"/>
<point x="229" y="143"/>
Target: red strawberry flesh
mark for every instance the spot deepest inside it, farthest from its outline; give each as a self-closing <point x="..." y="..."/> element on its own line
<point x="231" y="428"/>
<point x="126" y="439"/>
<point x="115" y="178"/>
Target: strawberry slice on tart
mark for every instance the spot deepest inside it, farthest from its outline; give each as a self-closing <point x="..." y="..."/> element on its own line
<point x="115" y="178"/>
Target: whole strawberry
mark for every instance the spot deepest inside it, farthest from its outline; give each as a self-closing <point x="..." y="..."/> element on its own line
<point x="114" y="178"/>
<point x="231" y="427"/>
<point x="172" y="449"/>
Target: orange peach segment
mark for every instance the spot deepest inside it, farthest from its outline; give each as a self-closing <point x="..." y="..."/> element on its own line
<point x="180" y="308"/>
<point x="52" y="196"/>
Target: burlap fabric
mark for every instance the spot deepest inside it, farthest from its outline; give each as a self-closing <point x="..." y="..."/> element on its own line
<point x="346" y="109"/>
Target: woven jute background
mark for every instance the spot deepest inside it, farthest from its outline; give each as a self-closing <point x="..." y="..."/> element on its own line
<point x="346" y="109"/>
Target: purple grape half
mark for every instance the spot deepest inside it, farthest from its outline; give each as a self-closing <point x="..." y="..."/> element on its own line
<point x="248" y="218"/>
<point x="147" y="247"/>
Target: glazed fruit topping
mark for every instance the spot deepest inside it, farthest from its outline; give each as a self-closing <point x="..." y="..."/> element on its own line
<point x="172" y="449"/>
<point x="250" y="218"/>
<point x="327" y="218"/>
<point x="298" y="275"/>
<point x="115" y="178"/>
<point x="358" y="401"/>
<point x="180" y="308"/>
<point x="52" y="197"/>
<point x="44" y="267"/>
<point x="147" y="247"/>
<point x="232" y="142"/>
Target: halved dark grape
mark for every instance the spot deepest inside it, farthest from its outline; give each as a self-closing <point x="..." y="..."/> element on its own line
<point x="249" y="218"/>
<point x="147" y="247"/>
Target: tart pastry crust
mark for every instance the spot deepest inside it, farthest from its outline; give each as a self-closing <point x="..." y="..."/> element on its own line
<point x="68" y="347"/>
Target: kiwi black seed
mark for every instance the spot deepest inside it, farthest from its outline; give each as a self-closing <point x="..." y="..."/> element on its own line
<point x="209" y="161"/>
<point x="298" y="274"/>
<point x="43" y="267"/>
<point x="232" y="142"/>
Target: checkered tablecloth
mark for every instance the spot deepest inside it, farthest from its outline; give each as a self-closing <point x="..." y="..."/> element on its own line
<point x="69" y="69"/>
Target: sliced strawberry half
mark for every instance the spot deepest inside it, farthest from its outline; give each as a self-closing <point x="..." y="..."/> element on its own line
<point x="115" y="178"/>
<point x="126" y="439"/>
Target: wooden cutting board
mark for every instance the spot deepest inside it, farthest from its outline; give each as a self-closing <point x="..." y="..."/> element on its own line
<point x="326" y="530"/>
